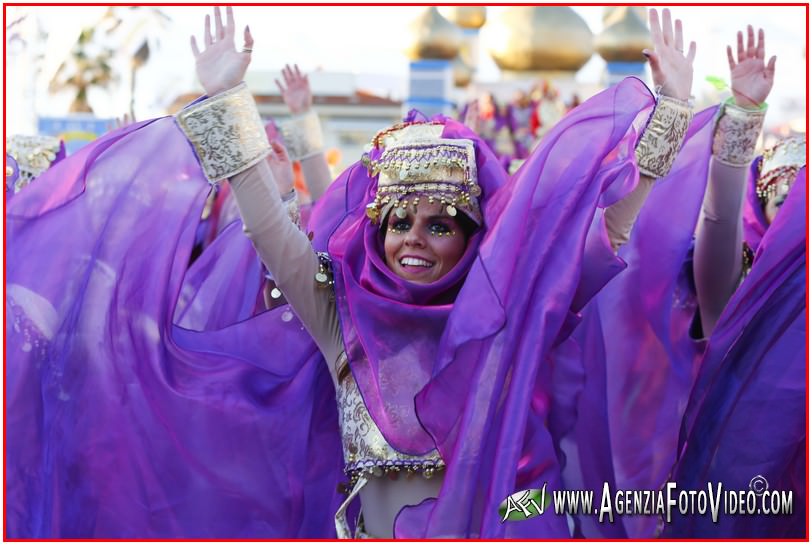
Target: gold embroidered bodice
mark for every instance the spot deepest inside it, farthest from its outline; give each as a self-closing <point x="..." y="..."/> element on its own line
<point x="365" y="449"/>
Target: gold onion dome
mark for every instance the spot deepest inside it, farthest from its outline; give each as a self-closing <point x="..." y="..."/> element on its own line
<point x="613" y="13"/>
<point x="549" y="38"/>
<point x="433" y="37"/>
<point x="624" y="38"/>
<point x="465" y="16"/>
<point x="462" y="72"/>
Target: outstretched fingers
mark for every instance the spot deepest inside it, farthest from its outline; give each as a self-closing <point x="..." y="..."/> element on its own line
<point x="668" y="32"/>
<point x="282" y="88"/>
<point x="770" y="72"/>
<point x="207" y="40"/>
<point x="195" y="50"/>
<point x="678" y="35"/>
<point x="656" y="30"/>
<point x="730" y="60"/>
<point x="740" y="46"/>
<point x="691" y="52"/>
<point x="760" y="46"/>
<point x="219" y="32"/>
<point x="751" y="42"/>
<point x="248" y="41"/>
<point x="229" y="21"/>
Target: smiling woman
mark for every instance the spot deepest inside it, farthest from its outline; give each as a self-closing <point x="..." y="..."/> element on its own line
<point x="425" y="244"/>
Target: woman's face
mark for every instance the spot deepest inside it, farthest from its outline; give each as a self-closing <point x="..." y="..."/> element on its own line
<point x="424" y="245"/>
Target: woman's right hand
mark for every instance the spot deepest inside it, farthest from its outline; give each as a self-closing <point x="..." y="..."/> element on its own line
<point x="671" y="67"/>
<point x="750" y="78"/>
<point x="220" y="66"/>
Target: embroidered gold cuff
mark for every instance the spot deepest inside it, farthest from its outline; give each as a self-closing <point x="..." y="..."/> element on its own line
<point x="663" y="136"/>
<point x="226" y="132"/>
<point x="737" y="132"/>
<point x="302" y="135"/>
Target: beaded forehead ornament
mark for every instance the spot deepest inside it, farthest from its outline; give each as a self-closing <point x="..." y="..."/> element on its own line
<point x="412" y="160"/>
<point x="778" y="168"/>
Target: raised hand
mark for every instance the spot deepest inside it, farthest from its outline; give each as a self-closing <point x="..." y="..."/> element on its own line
<point x="279" y="161"/>
<point x="750" y="79"/>
<point x="296" y="90"/>
<point x="671" y="69"/>
<point x="220" y="66"/>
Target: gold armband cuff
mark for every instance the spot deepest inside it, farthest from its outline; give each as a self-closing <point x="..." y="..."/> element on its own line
<point x="302" y="135"/>
<point x="736" y="135"/>
<point x="226" y="132"/>
<point x="663" y="137"/>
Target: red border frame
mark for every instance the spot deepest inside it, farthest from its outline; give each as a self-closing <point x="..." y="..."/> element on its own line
<point x="684" y="4"/>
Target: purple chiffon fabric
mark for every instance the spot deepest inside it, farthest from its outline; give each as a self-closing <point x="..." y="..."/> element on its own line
<point x="496" y="405"/>
<point x="635" y="347"/>
<point x="146" y="399"/>
<point x="747" y="412"/>
<point x="123" y="423"/>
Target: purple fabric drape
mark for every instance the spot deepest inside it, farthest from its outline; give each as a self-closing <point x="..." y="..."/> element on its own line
<point x="747" y="412"/>
<point x="635" y="347"/>
<point x="496" y="405"/>
<point x="122" y="423"/>
<point x="146" y="400"/>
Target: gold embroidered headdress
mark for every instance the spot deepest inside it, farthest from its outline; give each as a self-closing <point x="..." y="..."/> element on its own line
<point x="412" y="160"/>
<point x="779" y="166"/>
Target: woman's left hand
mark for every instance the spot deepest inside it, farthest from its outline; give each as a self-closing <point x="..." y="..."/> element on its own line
<point x="220" y="66"/>
<point x="671" y="69"/>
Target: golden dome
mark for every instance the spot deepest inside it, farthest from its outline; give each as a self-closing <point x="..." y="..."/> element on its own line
<point x="538" y="38"/>
<point x="462" y="72"/>
<point x="433" y="37"/>
<point x="624" y="38"/>
<point x="612" y="13"/>
<point x="465" y="16"/>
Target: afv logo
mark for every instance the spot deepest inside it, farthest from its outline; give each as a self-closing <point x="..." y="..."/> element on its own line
<point x="525" y="504"/>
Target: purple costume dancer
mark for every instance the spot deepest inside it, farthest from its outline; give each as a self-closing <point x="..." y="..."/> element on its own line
<point x="745" y="424"/>
<point x="139" y="406"/>
<point x="635" y="350"/>
<point x="640" y="324"/>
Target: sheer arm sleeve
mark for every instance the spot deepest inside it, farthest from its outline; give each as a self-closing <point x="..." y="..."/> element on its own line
<point x="317" y="175"/>
<point x="621" y="216"/>
<point x="718" y="257"/>
<point x="288" y="255"/>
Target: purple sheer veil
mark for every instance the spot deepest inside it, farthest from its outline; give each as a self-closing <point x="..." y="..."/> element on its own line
<point x="635" y="348"/>
<point x="747" y="412"/>
<point x="492" y="404"/>
<point x="122" y="423"/>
